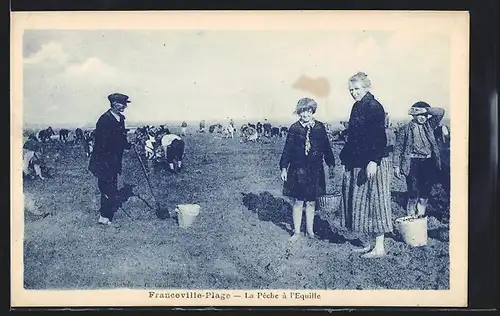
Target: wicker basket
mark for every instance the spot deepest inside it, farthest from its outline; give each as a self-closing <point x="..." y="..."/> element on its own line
<point x="329" y="202"/>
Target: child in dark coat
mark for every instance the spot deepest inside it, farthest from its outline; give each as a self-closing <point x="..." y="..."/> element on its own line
<point x="301" y="164"/>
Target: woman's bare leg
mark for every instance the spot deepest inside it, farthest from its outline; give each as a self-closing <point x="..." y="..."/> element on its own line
<point x="379" y="250"/>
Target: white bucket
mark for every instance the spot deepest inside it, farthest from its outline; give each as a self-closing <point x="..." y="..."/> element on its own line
<point x="186" y="214"/>
<point x="413" y="229"/>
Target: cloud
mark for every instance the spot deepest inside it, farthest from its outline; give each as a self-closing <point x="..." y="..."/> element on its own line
<point x="181" y="75"/>
<point x="422" y="48"/>
<point x="51" y="53"/>
<point x="68" y="93"/>
<point x="91" y="67"/>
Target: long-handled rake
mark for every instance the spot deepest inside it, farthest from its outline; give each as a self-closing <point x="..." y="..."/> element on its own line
<point x="161" y="213"/>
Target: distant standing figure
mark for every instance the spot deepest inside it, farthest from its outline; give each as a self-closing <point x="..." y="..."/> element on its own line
<point x="301" y="164"/>
<point x="79" y="134"/>
<point x="417" y="155"/>
<point x="283" y="131"/>
<point x="184" y="128"/>
<point x="391" y="142"/>
<point x="173" y="147"/>
<point x="88" y="143"/>
<point x="366" y="183"/>
<point x="258" y="128"/>
<point x="267" y="128"/>
<point x="149" y="147"/>
<point x="110" y="140"/>
<point x="229" y="128"/>
<point x="202" y="126"/>
<point x="390" y="134"/>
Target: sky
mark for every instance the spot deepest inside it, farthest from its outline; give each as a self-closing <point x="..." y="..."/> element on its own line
<point x="208" y="74"/>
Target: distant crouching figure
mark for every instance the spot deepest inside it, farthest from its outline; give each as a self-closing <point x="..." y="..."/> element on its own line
<point x="173" y="147"/>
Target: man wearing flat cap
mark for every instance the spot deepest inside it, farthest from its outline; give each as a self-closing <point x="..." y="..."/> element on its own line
<point x="110" y="140"/>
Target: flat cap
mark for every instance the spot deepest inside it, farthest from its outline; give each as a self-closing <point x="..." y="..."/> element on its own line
<point x="118" y="97"/>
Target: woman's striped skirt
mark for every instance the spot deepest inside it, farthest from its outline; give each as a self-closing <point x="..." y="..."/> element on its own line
<point x="366" y="204"/>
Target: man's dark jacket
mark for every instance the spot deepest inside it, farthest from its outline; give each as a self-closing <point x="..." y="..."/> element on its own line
<point x="110" y="139"/>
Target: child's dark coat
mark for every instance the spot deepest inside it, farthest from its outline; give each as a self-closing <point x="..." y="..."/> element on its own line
<point x="306" y="175"/>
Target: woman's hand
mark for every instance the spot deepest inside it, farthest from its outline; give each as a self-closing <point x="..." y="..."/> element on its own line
<point x="371" y="169"/>
<point x="397" y="172"/>
<point x="283" y="174"/>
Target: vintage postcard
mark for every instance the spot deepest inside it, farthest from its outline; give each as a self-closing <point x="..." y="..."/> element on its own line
<point x="257" y="158"/>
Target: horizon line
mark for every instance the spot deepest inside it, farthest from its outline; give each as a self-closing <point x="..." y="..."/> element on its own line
<point x="137" y="123"/>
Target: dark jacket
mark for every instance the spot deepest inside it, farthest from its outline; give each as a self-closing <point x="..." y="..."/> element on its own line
<point x="110" y="139"/>
<point x="366" y="138"/>
<point x="403" y="147"/>
<point x="294" y="149"/>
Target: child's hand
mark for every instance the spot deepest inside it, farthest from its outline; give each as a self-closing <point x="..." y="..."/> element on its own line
<point x="283" y="174"/>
